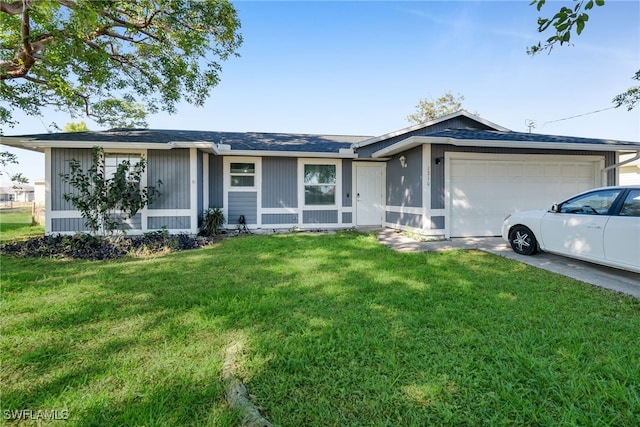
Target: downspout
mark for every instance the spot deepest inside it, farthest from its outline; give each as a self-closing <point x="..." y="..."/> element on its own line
<point x="617" y="165"/>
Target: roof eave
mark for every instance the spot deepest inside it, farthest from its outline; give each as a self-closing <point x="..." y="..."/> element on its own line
<point x="414" y="141"/>
<point x="419" y="126"/>
<point x="342" y="154"/>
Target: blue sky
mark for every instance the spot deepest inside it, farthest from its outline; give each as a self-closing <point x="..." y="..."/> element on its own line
<point x="360" y="68"/>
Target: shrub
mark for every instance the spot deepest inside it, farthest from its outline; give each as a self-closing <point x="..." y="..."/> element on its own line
<point x="211" y="221"/>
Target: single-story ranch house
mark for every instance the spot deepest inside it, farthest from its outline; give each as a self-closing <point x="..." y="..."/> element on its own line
<point x="455" y="176"/>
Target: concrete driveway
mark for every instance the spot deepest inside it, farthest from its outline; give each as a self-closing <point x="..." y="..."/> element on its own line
<point x="610" y="278"/>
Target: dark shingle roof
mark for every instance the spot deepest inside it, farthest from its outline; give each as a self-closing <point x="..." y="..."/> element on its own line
<point x="491" y="135"/>
<point x="237" y="140"/>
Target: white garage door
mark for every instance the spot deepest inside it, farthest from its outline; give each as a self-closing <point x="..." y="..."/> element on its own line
<point x="484" y="189"/>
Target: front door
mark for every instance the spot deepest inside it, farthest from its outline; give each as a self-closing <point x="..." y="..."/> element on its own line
<point x="369" y="200"/>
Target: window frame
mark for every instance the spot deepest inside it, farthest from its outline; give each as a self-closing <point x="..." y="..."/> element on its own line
<point x="109" y="171"/>
<point x="257" y="174"/>
<point x="337" y="163"/>
<point x="242" y="174"/>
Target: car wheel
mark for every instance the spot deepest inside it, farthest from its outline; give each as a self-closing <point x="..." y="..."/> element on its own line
<point x="523" y="241"/>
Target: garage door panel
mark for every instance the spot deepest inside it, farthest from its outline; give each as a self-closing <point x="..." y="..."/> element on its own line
<point x="483" y="191"/>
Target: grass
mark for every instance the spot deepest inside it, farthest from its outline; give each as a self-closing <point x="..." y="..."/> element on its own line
<point x="337" y="330"/>
<point x="16" y="224"/>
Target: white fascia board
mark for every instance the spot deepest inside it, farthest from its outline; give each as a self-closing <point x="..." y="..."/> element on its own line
<point x="414" y="141"/>
<point x="206" y="146"/>
<point x="36" y="145"/>
<point x="307" y="154"/>
<point x="403" y="145"/>
<point x="539" y="145"/>
<point x="459" y="113"/>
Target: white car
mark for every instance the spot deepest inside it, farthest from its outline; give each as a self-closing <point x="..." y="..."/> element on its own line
<point x="600" y="226"/>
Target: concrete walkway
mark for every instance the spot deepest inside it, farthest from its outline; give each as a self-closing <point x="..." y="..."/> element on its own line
<point x="610" y="278"/>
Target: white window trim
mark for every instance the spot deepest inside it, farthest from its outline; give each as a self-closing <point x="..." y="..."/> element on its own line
<point x="257" y="188"/>
<point x="257" y="182"/>
<point x="338" y="199"/>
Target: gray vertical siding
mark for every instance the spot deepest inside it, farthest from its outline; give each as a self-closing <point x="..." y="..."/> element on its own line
<point x="405" y="219"/>
<point x="172" y="168"/>
<point x="60" y="158"/>
<point x="437" y="176"/>
<point x="320" y="217"/>
<point x="347" y="217"/>
<point x="279" y="182"/>
<point x="170" y="222"/>
<point x="347" y="178"/>
<point x="216" y="191"/>
<point x="437" y="222"/>
<point x="275" y="219"/>
<point x="199" y="174"/>
<point x="134" y="223"/>
<point x="243" y="203"/>
<point x="404" y="185"/>
<point x="62" y="225"/>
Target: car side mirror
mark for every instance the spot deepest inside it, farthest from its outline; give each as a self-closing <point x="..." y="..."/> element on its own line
<point x="555" y="208"/>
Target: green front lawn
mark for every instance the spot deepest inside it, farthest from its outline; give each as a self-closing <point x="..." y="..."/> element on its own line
<point x="16" y="224"/>
<point x="337" y="330"/>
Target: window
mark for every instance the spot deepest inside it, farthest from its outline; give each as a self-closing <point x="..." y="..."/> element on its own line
<point x="596" y="203"/>
<point x="113" y="160"/>
<point x="631" y="206"/>
<point x="243" y="174"/>
<point x="319" y="184"/>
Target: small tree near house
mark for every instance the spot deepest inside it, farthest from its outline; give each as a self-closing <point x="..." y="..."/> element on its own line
<point x="107" y="200"/>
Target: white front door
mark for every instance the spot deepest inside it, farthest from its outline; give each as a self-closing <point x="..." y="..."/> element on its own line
<point x="369" y="194"/>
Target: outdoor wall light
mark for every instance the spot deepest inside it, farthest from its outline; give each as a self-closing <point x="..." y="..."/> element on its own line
<point x="439" y="160"/>
<point x="403" y="161"/>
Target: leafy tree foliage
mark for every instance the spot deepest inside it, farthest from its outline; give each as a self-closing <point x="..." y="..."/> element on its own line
<point x="431" y="109"/>
<point x="106" y="201"/>
<point x="564" y="22"/>
<point x="113" y="61"/>
<point x="631" y="97"/>
<point x="76" y="127"/>
<point x="573" y="19"/>
<point x="6" y="159"/>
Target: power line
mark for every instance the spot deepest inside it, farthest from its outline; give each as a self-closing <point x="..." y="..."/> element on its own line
<point x="579" y="115"/>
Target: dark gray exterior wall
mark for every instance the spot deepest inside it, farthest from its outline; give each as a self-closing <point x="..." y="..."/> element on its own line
<point x="346" y="183"/>
<point x="171" y="222"/>
<point x="404" y="185"/>
<point x="60" y="158"/>
<point x="320" y="217"/>
<point x="62" y="225"/>
<point x="405" y="219"/>
<point x="172" y="168"/>
<point x="279" y="182"/>
<point x="216" y="183"/>
<point x="438" y="172"/>
<point x="275" y="219"/>
<point x="199" y="174"/>
<point x="243" y="203"/>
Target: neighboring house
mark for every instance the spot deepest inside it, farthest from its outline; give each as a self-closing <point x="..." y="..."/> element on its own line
<point x="455" y="176"/>
<point x="630" y="172"/>
<point x="39" y="191"/>
<point x="11" y="192"/>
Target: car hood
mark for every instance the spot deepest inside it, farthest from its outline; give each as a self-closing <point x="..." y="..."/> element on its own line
<point x="538" y="213"/>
